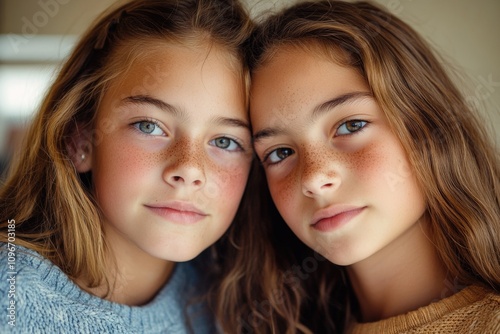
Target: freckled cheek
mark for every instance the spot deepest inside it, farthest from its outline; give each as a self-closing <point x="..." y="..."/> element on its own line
<point x="229" y="182"/>
<point x="121" y="167"/>
<point x="368" y="163"/>
<point x="382" y="167"/>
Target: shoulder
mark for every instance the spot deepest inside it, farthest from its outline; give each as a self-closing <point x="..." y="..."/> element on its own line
<point x="484" y="312"/>
<point x="472" y="310"/>
<point x="26" y="281"/>
<point x="41" y="296"/>
<point x="22" y="265"/>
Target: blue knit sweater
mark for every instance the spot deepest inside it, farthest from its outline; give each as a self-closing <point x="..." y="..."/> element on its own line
<point x="37" y="297"/>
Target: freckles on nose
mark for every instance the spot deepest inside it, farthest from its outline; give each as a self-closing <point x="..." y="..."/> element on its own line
<point x="317" y="161"/>
<point x="184" y="152"/>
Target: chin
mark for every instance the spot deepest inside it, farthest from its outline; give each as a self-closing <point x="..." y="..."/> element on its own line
<point x="183" y="256"/>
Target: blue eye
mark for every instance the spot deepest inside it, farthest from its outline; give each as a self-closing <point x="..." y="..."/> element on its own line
<point x="278" y="155"/>
<point x="350" y="127"/>
<point x="226" y="143"/>
<point x="149" y="128"/>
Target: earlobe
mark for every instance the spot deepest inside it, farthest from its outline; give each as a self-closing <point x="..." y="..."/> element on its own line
<point x="79" y="148"/>
<point x="82" y="162"/>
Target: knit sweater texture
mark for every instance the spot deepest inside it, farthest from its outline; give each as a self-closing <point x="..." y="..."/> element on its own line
<point x="472" y="310"/>
<point x="47" y="301"/>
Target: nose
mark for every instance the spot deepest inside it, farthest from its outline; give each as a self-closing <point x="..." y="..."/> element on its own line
<point x="320" y="176"/>
<point x="186" y="167"/>
<point x="188" y="177"/>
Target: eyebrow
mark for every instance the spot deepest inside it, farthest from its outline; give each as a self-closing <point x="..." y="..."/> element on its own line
<point x="320" y="109"/>
<point x="162" y="105"/>
<point x="234" y="122"/>
<point x="266" y="133"/>
<point x="145" y="99"/>
<point x="338" y="101"/>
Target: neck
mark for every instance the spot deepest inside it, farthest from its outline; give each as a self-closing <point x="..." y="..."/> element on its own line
<point x="139" y="278"/>
<point x="401" y="277"/>
<point x="134" y="276"/>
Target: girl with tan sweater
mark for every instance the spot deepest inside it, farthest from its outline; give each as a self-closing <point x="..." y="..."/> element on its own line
<point x="374" y="160"/>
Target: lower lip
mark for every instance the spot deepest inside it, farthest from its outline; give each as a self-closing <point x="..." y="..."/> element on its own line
<point x="176" y="216"/>
<point x="330" y="223"/>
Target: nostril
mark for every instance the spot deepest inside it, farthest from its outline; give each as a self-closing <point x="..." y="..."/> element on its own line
<point x="191" y="177"/>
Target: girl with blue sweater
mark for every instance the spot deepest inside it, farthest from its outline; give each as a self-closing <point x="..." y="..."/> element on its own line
<point x="134" y="165"/>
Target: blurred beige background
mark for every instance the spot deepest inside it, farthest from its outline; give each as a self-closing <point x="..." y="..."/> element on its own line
<point x="35" y="36"/>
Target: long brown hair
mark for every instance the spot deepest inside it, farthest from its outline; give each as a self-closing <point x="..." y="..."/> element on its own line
<point x="53" y="207"/>
<point x="452" y="155"/>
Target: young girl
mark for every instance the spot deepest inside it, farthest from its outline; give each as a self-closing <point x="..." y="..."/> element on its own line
<point x="375" y="160"/>
<point x="137" y="160"/>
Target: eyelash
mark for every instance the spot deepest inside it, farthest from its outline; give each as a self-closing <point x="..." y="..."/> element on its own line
<point x="364" y="124"/>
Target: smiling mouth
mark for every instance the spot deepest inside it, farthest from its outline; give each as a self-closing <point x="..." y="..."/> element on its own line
<point x="330" y="219"/>
<point x="178" y="212"/>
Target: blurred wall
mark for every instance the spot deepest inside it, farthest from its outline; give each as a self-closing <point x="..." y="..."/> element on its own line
<point x="35" y="36"/>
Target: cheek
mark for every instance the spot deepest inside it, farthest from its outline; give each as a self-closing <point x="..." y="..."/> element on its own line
<point x="285" y="193"/>
<point x="120" y="169"/>
<point x="223" y="191"/>
<point x="225" y="186"/>
<point x="229" y="182"/>
<point x="383" y="166"/>
<point x="369" y="163"/>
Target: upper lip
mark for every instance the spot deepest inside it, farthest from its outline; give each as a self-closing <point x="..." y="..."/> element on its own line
<point x="332" y="211"/>
<point x="178" y="206"/>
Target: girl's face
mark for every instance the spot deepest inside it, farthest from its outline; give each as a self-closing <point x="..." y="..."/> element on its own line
<point x="172" y="152"/>
<point x="338" y="175"/>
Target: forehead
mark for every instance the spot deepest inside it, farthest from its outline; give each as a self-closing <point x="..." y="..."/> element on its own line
<point x="292" y="61"/>
<point x="162" y="68"/>
<point x="131" y="59"/>
<point x="191" y="78"/>
<point x="294" y="80"/>
<point x="328" y="50"/>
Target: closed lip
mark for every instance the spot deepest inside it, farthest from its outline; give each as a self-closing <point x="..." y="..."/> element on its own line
<point x="182" y="207"/>
<point x="333" y="211"/>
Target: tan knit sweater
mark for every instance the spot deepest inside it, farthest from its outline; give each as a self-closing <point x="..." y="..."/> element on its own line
<point x="472" y="310"/>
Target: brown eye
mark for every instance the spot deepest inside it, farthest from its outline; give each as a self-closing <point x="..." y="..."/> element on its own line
<point x="279" y="154"/>
<point x="350" y="127"/>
